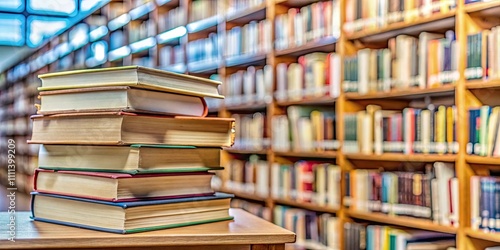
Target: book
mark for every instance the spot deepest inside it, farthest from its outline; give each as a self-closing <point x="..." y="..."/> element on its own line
<point x="122" y="187"/>
<point x="138" y="76"/>
<point x="120" y="128"/>
<point x="132" y="159"/>
<point x="129" y="217"/>
<point x="120" y="98"/>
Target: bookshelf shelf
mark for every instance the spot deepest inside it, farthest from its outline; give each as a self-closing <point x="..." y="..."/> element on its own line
<point x="177" y="68"/>
<point x="295" y="3"/>
<point x="243" y="195"/>
<point x="259" y="106"/>
<point x="480" y="84"/>
<point x="317" y="155"/>
<point x="204" y="25"/>
<point x="326" y="44"/>
<point x="403" y="221"/>
<point x="167" y="3"/>
<point x="325" y="100"/>
<point x="403" y="157"/>
<point x="407" y="94"/>
<point x="247" y="151"/>
<point x="255" y="13"/>
<point x="203" y="67"/>
<point x="436" y="22"/>
<point x="246" y="60"/>
<point x="483" y="9"/>
<point x="306" y="205"/>
<point x="482" y="160"/>
<point x="493" y="237"/>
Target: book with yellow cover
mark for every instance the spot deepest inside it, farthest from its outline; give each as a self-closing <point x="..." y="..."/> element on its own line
<point x="137" y="76"/>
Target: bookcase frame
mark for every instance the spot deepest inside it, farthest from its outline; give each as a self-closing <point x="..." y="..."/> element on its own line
<point x="464" y="19"/>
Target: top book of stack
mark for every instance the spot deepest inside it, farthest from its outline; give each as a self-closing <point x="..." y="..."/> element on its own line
<point x="133" y="76"/>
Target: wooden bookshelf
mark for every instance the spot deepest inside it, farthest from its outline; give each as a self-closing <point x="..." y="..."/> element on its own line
<point x="480" y="84"/>
<point x="326" y="100"/>
<point x="403" y="221"/>
<point x="464" y="20"/>
<point x="246" y="152"/>
<point x="253" y="13"/>
<point x="483" y="160"/>
<point x="305" y="205"/>
<point x="244" y="195"/>
<point x="436" y="22"/>
<point x="323" y="44"/>
<point x="399" y="157"/>
<point x="259" y="106"/>
<point x="407" y="94"/>
<point x="476" y="234"/>
<point x="317" y="155"/>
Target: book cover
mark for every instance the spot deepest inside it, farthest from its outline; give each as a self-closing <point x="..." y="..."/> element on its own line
<point x="128" y="205"/>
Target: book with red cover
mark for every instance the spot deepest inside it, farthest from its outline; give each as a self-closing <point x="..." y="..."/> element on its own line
<point x="116" y="187"/>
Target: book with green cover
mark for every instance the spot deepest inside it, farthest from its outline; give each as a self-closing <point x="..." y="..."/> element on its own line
<point x="129" y="217"/>
<point x="133" y="159"/>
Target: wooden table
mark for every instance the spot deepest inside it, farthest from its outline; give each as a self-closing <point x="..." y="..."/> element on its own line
<point x="245" y="232"/>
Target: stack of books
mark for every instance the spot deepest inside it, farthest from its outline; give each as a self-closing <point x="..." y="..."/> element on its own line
<point x="127" y="150"/>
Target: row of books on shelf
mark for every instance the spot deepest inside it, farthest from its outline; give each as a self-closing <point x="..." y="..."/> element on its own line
<point x="253" y="85"/>
<point x="302" y="25"/>
<point x="483" y="51"/>
<point x="250" y="135"/>
<point x="235" y="6"/>
<point x="412" y="130"/>
<point x="173" y="18"/>
<point x="428" y="61"/>
<point x="371" y="15"/>
<point x="203" y="9"/>
<point x="484" y="131"/>
<point x="307" y="182"/>
<point x="313" y="75"/>
<point x="359" y="236"/>
<point x="250" y="177"/>
<point x="305" y="129"/>
<point x="484" y="202"/>
<point x="171" y="55"/>
<point x="204" y="50"/>
<point x="254" y="38"/>
<point x="431" y="194"/>
<point x="313" y="230"/>
<point x="142" y="30"/>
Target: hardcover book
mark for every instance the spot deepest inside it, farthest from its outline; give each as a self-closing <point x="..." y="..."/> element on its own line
<point x="129" y="217"/>
<point x="120" y="98"/>
<point x="120" y="128"/>
<point x="133" y="159"/>
<point x="137" y="76"/>
<point x="122" y="187"/>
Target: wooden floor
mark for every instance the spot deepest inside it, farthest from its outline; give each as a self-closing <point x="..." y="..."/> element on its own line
<point x="22" y="201"/>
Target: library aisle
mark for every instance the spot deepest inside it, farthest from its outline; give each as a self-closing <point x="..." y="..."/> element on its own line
<point x="360" y="124"/>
